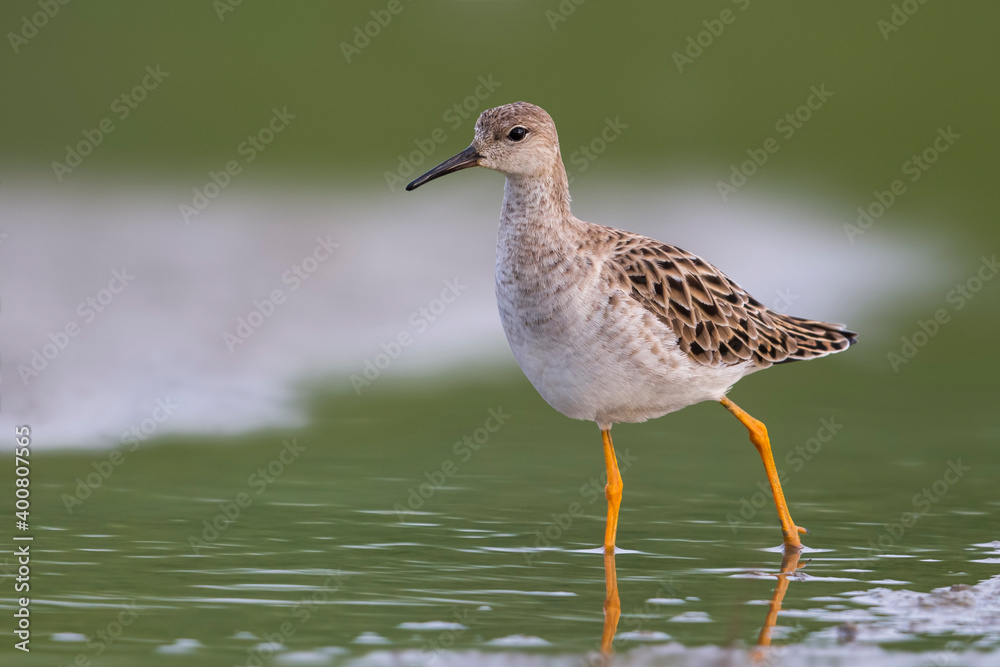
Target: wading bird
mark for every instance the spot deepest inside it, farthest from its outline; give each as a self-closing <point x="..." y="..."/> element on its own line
<point x="610" y="326"/>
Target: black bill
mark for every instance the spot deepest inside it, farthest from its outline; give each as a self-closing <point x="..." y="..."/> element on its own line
<point x="467" y="158"/>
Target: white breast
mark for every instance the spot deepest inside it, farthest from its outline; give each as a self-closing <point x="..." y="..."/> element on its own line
<point x="591" y="351"/>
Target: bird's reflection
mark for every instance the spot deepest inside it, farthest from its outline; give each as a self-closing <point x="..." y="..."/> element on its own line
<point x="613" y="607"/>
<point x="789" y="563"/>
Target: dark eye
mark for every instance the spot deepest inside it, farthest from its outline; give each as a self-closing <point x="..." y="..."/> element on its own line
<point x="517" y="134"/>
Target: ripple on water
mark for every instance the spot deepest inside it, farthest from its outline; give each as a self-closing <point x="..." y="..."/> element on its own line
<point x="504" y="591"/>
<point x="431" y="626"/>
<point x="180" y="647"/>
<point x="643" y="636"/>
<point x="261" y="587"/>
<point x="518" y="641"/>
<point x="323" y="656"/>
<point x="692" y="617"/>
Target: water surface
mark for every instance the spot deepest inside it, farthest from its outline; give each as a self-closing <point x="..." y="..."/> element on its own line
<point x="380" y="535"/>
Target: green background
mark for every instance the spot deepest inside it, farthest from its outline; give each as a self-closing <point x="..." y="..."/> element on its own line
<point x="615" y="60"/>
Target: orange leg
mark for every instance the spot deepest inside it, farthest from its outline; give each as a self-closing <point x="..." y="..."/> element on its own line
<point x="613" y="491"/>
<point x="612" y="605"/>
<point x="758" y="436"/>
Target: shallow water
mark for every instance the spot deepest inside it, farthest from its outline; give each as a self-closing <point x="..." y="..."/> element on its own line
<point x="386" y="538"/>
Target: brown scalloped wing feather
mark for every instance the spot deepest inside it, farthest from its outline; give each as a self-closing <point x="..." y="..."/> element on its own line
<point x="715" y="320"/>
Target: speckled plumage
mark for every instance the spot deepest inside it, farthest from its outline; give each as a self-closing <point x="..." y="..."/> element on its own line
<point x="608" y="325"/>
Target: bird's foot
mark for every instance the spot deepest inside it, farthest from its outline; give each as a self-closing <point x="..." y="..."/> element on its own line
<point x="792" y="546"/>
<point x="792" y="543"/>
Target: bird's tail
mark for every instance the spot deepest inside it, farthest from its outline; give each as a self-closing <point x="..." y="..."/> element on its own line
<point x="813" y="338"/>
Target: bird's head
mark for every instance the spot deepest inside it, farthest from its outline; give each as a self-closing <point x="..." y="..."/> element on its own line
<point x="518" y="140"/>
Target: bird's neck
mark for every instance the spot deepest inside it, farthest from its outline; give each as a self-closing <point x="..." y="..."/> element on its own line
<point x="537" y="233"/>
<point x="536" y="202"/>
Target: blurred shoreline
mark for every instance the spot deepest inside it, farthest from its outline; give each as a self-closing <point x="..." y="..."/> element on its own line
<point x="121" y="305"/>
